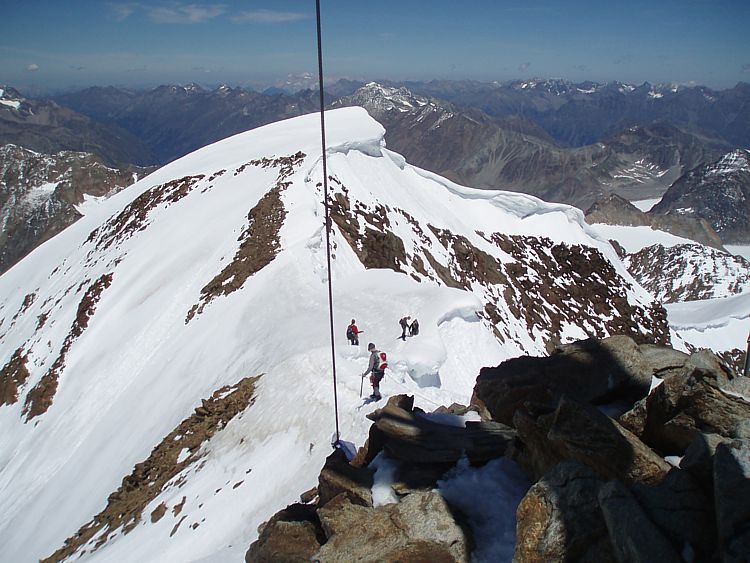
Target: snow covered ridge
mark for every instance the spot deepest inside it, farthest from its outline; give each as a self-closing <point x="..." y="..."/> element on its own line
<point x="97" y="334"/>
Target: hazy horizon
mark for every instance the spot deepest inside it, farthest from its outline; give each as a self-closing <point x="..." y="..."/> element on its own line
<point x="50" y="46"/>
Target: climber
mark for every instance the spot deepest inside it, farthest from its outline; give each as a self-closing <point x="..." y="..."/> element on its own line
<point x="404" y="322"/>
<point x="414" y="328"/>
<point x="352" y="333"/>
<point x="376" y="368"/>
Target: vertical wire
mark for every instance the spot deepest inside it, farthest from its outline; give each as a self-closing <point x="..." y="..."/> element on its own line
<point x="328" y="218"/>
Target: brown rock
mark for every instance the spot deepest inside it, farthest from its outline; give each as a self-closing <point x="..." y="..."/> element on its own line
<point x="339" y="476"/>
<point x="582" y="433"/>
<point x="419" y="528"/>
<point x="591" y="371"/>
<point x="293" y="534"/>
<point x="559" y="519"/>
<point x="692" y="402"/>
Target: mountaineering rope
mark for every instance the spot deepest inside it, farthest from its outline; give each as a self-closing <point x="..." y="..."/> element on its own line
<point x="328" y="218"/>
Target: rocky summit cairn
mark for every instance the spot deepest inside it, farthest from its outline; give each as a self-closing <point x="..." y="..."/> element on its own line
<point x="636" y="452"/>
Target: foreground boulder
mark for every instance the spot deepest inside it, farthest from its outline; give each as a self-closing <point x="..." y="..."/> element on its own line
<point x="604" y="491"/>
<point x="419" y="528"/>
<point x="590" y="371"/>
<point x="575" y="431"/>
<point x="701" y="398"/>
<point x="560" y="519"/>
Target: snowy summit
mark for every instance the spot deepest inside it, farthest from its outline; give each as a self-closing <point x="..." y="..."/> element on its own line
<point x="166" y="359"/>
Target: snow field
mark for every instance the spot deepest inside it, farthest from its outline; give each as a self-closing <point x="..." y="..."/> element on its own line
<point x="138" y="370"/>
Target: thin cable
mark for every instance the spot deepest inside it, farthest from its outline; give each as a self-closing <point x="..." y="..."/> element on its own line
<point x="328" y="218"/>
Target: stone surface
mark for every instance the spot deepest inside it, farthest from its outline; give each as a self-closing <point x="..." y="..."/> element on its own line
<point x="293" y="534"/>
<point x="681" y="510"/>
<point x="692" y="402"/>
<point x="338" y="476"/>
<point x="732" y="497"/>
<point x="559" y="519"/>
<point x="419" y="528"/>
<point x="410" y="437"/>
<point x="592" y="371"/>
<point x="699" y="458"/>
<point x="582" y="433"/>
<point x="634" y="537"/>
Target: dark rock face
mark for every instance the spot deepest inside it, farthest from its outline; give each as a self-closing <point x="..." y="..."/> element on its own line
<point x="575" y="431"/>
<point x="732" y="490"/>
<point x="592" y="371"/>
<point x="689" y="403"/>
<point x="634" y="537"/>
<point x="717" y="192"/>
<point x="615" y="210"/>
<point x="38" y="194"/>
<point x="560" y="518"/>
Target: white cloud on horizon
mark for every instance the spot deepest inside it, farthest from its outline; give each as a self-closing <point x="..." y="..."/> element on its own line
<point x="33" y="67"/>
<point x="268" y="16"/>
<point x="172" y="13"/>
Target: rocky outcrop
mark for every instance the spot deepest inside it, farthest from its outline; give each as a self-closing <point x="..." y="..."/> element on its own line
<point x="602" y="492"/>
<point x="420" y="527"/>
<point x="613" y="209"/>
<point x="689" y="403"/>
<point x="718" y="192"/>
<point x="688" y="272"/>
<point x="124" y="507"/>
<point x="560" y="518"/>
<point x="39" y="194"/>
<point x="592" y="371"/>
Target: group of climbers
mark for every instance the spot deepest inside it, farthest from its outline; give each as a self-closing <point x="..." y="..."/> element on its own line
<point x="412" y="328"/>
<point x="378" y="360"/>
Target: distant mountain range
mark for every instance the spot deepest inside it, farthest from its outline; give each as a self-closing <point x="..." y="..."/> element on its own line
<point x="514" y="153"/>
<point x="561" y="141"/>
<point x="47" y="127"/>
<point x="172" y="121"/>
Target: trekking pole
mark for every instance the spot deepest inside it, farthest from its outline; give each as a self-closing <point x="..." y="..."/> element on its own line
<point x="361" y="384"/>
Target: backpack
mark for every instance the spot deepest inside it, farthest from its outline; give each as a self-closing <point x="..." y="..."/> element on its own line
<point x="349" y="332"/>
<point x="382" y="361"/>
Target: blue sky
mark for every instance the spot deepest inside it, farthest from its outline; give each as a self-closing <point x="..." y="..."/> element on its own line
<point x="56" y="44"/>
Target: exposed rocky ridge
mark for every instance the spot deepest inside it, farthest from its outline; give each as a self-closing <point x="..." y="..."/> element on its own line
<point x="548" y="286"/>
<point x="39" y="194"/>
<point x="616" y="210"/>
<point x="40" y="397"/>
<point x="160" y="471"/>
<point x="259" y="242"/>
<point x="688" y="272"/>
<point x="598" y="485"/>
<point x="718" y="192"/>
<point x="44" y="126"/>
